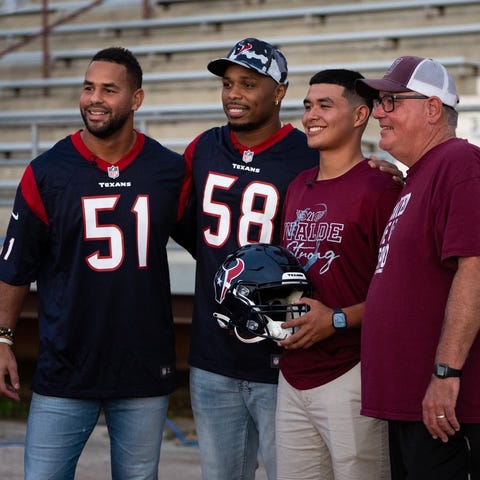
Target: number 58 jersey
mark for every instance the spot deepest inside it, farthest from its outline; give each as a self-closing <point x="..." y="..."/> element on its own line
<point x="239" y="193"/>
<point x="93" y="236"/>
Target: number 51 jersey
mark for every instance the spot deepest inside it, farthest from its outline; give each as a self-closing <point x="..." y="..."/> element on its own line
<point x="93" y="236"/>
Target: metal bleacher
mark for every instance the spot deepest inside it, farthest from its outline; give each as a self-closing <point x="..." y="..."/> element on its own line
<point x="389" y="37"/>
<point x="309" y="14"/>
<point x="147" y="116"/>
<point x="52" y="7"/>
<point x="468" y="66"/>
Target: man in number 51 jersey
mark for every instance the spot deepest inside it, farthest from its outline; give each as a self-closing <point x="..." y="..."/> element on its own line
<point x="90" y="224"/>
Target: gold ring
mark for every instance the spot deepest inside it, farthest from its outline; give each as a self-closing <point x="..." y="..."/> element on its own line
<point x="441" y="416"/>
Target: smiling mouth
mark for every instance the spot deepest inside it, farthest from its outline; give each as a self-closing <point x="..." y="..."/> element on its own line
<point x="96" y="112"/>
<point x="315" y="129"/>
<point x="235" y="109"/>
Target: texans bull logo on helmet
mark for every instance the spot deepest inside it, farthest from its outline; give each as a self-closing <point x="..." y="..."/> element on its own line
<point x="225" y="281"/>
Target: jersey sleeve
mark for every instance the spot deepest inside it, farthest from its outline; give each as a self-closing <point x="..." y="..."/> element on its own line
<point x="184" y="232"/>
<point x="27" y="233"/>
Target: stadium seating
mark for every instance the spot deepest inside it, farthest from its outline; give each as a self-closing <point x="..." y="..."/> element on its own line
<point x="16" y="85"/>
<point x="185" y="34"/>
<point x="219" y="20"/>
<point x="389" y="37"/>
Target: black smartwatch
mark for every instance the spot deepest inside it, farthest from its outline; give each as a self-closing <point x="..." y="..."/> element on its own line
<point x="339" y="320"/>
<point x="442" y="370"/>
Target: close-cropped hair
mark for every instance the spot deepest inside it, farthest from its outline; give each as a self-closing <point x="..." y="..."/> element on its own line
<point x="124" y="57"/>
<point x="451" y="116"/>
<point x="346" y="79"/>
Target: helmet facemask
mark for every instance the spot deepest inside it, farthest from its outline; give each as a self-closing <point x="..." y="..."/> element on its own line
<point x="265" y="319"/>
<point x="256" y="310"/>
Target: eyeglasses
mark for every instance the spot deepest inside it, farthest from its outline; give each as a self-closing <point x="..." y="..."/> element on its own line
<point x="388" y="101"/>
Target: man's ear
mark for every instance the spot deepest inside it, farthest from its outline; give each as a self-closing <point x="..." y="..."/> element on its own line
<point x="280" y="91"/>
<point x="138" y="96"/>
<point x="434" y="108"/>
<point x="361" y="115"/>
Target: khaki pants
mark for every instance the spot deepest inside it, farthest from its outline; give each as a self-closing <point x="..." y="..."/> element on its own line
<point x="320" y="433"/>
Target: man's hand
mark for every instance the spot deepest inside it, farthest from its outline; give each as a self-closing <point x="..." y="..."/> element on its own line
<point x="439" y="407"/>
<point x="313" y="326"/>
<point x="387" y="167"/>
<point x="9" y="380"/>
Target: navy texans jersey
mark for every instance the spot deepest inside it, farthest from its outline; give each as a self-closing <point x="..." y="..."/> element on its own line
<point x="239" y="195"/>
<point x="93" y="236"/>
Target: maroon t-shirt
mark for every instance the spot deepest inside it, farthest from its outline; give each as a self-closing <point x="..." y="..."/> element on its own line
<point x="436" y="220"/>
<point x="334" y="228"/>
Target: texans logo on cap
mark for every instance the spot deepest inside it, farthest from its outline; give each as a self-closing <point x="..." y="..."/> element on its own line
<point x="241" y="47"/>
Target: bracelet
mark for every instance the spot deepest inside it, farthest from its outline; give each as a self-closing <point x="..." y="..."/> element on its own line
<point x="7" y="333"/>
<point x="6" y="340"/>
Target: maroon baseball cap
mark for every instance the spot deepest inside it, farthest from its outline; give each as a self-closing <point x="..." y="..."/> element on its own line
<point x="413" y="74"/>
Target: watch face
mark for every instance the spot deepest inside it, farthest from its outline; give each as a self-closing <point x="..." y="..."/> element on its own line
<point x="441" y="370"/>
<point x="339" y="320"/>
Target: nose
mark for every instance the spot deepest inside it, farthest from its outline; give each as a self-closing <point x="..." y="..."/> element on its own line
<point x="96" y="96"/>
<point x="234" y="91"/>
<point x="378" y="111"/>
<point x="312" y="112"/>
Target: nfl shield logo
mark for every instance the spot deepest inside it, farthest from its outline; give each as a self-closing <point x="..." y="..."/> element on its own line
<point x="113" y="171"/>
<point x="247" y="156"/>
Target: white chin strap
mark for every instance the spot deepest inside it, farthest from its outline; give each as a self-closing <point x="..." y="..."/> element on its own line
<point x="254" y="339"/>
<point x="275" y="332"/>
<point x="224" y="322"/>
<point x="274" y="329"/>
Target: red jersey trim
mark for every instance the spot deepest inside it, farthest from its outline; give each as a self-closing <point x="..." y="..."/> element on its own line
<point x="187" y="186"/>
<point x="190" y="150"/>
<point x="102" y="164"/>
<point x="29" y="188"/>
<point x="265" y="145"/>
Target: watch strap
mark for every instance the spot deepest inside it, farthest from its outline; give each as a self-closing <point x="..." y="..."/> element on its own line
<point x="442" y="370"/>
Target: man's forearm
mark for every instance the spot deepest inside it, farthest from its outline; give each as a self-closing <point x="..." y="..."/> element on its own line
<point x="462" y="314"/>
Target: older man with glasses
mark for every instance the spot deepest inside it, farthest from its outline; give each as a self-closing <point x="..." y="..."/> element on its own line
<point x="420" y="342"/>
<point x="388" y="101"/>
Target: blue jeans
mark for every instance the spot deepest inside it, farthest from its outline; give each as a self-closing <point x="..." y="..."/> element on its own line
<point x="58" y="429"/>
<point x="234" y="419"/>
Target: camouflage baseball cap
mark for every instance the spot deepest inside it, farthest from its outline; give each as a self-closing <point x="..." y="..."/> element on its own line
<point x="256" y="55"/>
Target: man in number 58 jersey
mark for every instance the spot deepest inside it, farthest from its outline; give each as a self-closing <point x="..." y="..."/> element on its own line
<point x="241" y="172"/>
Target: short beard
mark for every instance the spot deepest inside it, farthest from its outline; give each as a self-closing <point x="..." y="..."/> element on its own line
<point x="244" y="127"/>
<point x="106" y="130"/>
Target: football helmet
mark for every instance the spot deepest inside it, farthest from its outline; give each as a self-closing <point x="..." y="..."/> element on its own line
<point x="256" y="287"/>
